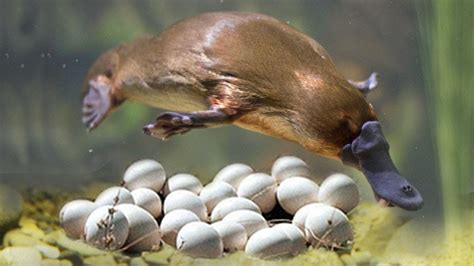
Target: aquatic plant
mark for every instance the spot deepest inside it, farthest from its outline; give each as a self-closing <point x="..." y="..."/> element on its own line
<point x="447" y="47"/>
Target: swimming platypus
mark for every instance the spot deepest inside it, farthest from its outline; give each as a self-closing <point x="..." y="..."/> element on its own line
<point x="256" y="72"/>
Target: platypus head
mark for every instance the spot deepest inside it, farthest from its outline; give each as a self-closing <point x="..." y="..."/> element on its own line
<point x="369" y="153"/>
<point x="100" y="94"/>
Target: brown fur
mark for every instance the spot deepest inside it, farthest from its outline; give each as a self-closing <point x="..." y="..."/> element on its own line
<point x="273" y="78"/>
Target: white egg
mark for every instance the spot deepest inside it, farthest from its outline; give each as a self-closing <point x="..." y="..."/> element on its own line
<point x="73" y="216"/>
<point x="295" y="192"/>
<point x="288" y="166"/>
<point x="296" y="236"/>
<point x="300" y="216"/>
<point x="182" y="182"/>
<point x="148" y="200"/>
<point x="145" y="173"/>
<point x="106" y="228"/>
<point x="250" y="220"/>
<point x="144" y="233"/>
<point x="173" y="222"/>
<point x="233" y="174"/>
<point x="199" y="239"/>
<point x="229" y="205"/>
<point x="233" y="235"/>
<point x="183" y="199"/>
<point x="113" y="196"/>
<point x="339" y="191"/>
<point x="268" y="243"/>
<point x="259" y="188"/>
<point x="215" y="192"/>
<point x="328" y="227"/>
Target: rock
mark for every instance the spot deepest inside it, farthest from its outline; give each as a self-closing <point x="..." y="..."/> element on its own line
<point x="29" y="227"/>
<point x="20" y="256"/>
<point x="53" y="262"/>
<point x="363" y="258"/>
<point x="75" y="245"/>
<point x="11" y="206"/>
<point x="106" y="260"/>
<point x="72" y="256"/>
<point x="160" y="258"/>
<point x="348" y="260"/>
<point x="138" y="261"/>
<point x="48" y="251"/>
<point x="155" y="259"/>
<point x="17" y="238"/>
<point x="122" y="259"/>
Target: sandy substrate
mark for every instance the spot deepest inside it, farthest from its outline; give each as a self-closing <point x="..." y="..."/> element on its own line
<point x="382" y="235"/>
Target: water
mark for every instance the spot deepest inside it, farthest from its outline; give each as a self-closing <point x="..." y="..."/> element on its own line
<point x="47" y="47"/>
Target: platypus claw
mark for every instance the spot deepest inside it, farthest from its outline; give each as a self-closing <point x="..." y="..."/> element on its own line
<point x="95" y="105"/>
<point x="370" y="155"/>
<point x="367" y="85"/>
<point x="169" y="124"/>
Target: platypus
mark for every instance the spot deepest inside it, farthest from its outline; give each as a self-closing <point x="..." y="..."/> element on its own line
<point x="258" y="73"/>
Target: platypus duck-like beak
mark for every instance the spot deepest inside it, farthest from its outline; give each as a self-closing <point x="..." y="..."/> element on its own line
<point x="369" y="153"/>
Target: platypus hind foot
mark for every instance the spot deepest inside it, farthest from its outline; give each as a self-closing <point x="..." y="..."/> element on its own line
<point x="172" y="123"/>
<point x="371" y="150"/>
<point x="367" y="85"/>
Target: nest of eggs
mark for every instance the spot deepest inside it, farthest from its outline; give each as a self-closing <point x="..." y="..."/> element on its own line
<point x="268" y="216"/>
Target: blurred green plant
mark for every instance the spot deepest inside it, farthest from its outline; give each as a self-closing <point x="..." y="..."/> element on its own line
<point x="447" y="47"/>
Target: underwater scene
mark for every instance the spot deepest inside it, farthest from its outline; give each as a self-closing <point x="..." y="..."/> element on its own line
<point x="234" y="132"/>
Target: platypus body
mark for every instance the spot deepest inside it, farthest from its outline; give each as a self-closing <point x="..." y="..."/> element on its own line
<point x="258" y="73"/>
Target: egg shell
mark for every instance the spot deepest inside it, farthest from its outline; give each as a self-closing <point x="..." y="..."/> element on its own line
<point x="250" y="220"/>
<point x="229" y="205"/>
<point x="233" y="235"/>
<point x="199" y="239"/>
<point x="144" y="233"/>
<point x="268" y="243"/>
<point x="295" y="192"/>
<point x="173" y="222"/>
<point x="145" y="173"/>
<point x="328" y="227"/>
<point x="288" y="166"/>
<point x="182" y="182"/>
<point x="215" y="192"/>
<point x="148" y="200"/>
<point x="259" y="188"/>
<point x="110" y="195"/>
<point x="339" y="191"/>
<point x="183" y="199"/>
<point x="106" y="228"/>
<point x="73" y="216"/>
<point x="296" y="236"/>
<point x="233" y="174"/>
<point x="300" y="216"/>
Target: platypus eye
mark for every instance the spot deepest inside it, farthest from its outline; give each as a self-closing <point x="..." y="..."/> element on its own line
<point x="108" y="73"/>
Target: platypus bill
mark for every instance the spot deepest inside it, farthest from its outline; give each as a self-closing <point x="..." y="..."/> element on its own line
<point x="258" y="73"/>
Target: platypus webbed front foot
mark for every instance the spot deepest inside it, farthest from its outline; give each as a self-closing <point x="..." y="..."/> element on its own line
<point x="369" y="153"/>
<point x="367" y="85"/>
<point x="96" y="104"/>
<point x="172" y="123"/>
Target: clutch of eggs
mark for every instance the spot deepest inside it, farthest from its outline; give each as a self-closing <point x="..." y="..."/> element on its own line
<point x="224" y="216"/>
